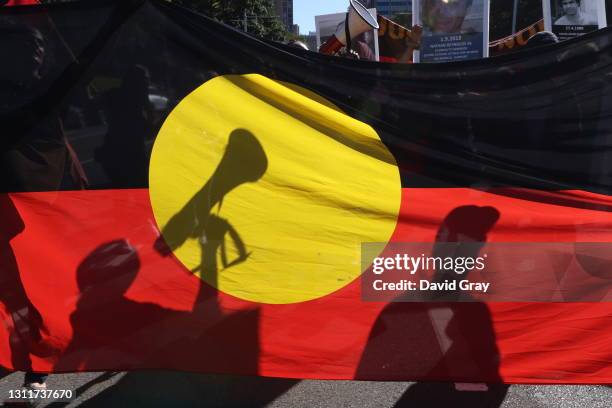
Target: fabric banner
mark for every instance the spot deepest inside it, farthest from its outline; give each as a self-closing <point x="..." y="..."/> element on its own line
<point x="515" y="41"/>
<point x="179" y="195"/>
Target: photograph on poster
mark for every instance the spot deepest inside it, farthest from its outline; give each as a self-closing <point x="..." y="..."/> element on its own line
<point x="574" y="12"/>
<point x="452" y="16"/>
<point x="572" y="18"/>
<point x="453" y="30"/>
<point x="365" y="44"/>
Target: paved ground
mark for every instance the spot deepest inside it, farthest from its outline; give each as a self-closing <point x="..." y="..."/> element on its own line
<point x="179" y="389"/>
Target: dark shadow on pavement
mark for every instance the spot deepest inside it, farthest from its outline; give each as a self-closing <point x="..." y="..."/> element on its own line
<point x="445" y="395"/>
<point x="182" y="389"/>
<point x="4" y="373"/>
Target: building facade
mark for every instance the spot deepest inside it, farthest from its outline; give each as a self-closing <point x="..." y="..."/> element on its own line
<point x="388" y="8"/>
<point x="311" y="40"/>
<point x="284" y="9"/>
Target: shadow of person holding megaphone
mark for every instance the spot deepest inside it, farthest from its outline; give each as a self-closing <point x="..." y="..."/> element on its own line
<point x="228" y="338"/>
<point x="206" y="338"/>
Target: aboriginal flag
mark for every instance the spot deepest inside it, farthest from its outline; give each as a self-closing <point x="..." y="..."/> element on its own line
<point x="177" y="194"/>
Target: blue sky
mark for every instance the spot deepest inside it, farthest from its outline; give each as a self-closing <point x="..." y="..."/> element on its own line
<point x="305" y="10"/>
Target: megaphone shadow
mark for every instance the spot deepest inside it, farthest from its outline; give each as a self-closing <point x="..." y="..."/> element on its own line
<point x="244" y="161"/>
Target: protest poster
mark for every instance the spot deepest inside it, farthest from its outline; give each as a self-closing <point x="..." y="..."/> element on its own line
<point x="571" y="18"/>
<point x="453" y="30"/>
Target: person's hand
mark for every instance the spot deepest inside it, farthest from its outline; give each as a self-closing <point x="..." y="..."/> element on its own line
<point x="415" y="35"/>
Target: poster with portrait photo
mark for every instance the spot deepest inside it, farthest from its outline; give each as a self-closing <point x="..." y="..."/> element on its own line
<point x="571" y="18"/>
<point x="365" y="44"/>
<point x="453" y="30"/>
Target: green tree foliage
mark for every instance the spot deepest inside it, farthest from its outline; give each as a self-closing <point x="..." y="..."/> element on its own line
<point x="257" y="17"/>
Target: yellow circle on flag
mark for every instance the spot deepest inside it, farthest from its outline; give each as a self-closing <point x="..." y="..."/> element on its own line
<point x="267" y="191"/>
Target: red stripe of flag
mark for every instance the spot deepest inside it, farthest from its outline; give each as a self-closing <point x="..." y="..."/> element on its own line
<point x="151" y="321"/>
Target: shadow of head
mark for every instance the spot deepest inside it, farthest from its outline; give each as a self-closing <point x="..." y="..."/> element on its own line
<point x="595" y="259"/>
<point x="109" y="270"/>
<point x="468" y="223"/>
<point x="244" y="161"/>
